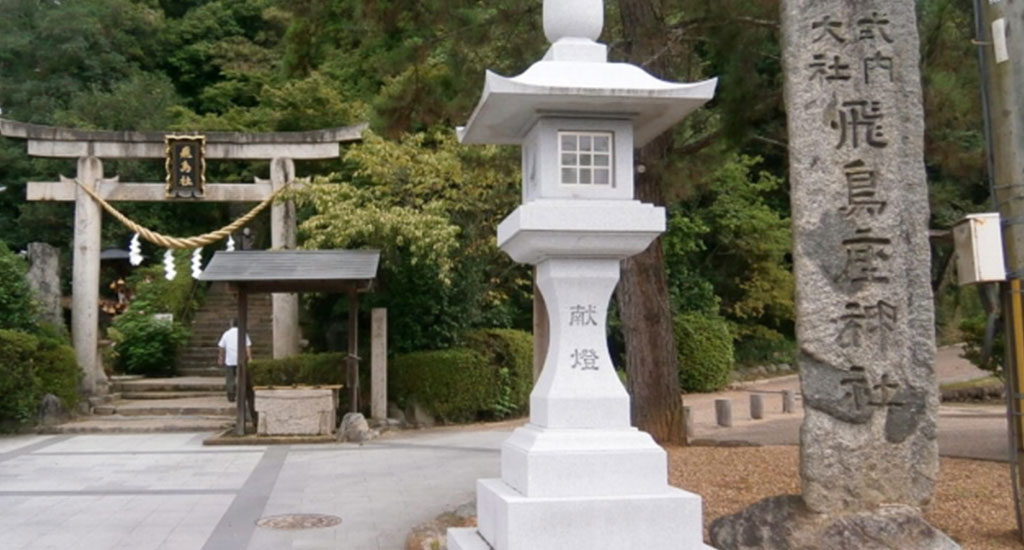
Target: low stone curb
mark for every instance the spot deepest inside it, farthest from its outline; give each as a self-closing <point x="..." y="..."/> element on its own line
<point x="228" y="438"/>
<point x="995" y="391"/>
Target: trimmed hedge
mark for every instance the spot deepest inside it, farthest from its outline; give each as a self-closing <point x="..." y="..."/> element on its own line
<point x="321" y="369"/>
<point x="489" y="378"/>
<point x="30" y="368"/>
<point x="511" y="352"/>
<point x="705" y="352"/>
<point x="455" y="384"/>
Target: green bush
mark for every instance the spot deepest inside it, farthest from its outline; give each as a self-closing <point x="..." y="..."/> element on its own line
<point x="31" y="367"/>
<point x="58" y="371"/>
<point x="143" y="344"/>
<point x="18" y="383"/>
<point x="18" y="310"/>
<point x="705" y="352"/>
<point x="179" y="296"/>
<point x="511" y="352"/>
<point x="307" y="370"/>
<point x="454" y="384"/>
<point x="146" y="345"/>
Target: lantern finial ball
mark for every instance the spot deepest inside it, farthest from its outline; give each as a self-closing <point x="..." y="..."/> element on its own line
<point x="573" y="19"/>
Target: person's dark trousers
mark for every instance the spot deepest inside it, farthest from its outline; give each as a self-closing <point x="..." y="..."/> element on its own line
<point x="229" y="381"/>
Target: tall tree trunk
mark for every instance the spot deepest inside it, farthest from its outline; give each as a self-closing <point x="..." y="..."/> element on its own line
<point x="651" y="357"/>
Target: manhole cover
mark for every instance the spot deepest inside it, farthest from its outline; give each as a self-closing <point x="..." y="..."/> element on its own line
<point x="298" y="521"/>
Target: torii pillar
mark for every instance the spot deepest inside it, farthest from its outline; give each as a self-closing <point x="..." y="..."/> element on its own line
<point x="282" y="237"/>
<point x="85" y="273"/>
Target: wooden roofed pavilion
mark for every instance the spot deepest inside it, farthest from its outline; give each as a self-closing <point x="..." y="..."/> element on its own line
<point x="264" y="271"/>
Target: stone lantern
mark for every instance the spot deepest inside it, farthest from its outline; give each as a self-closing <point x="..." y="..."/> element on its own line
<point x="579" y="476"/>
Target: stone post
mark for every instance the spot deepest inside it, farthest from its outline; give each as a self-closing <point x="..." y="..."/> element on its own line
<point x="44" y="278"/>
<point x="723" y="413"/>
<point x="379" y="363"/>
<point x="688" y="422"/>
<point x="869" y="457"/>
<point x="282" y="236"/>
<point x="85" y="281"/>
<point x="756" y="406"/>
<point x="787" y="401"/>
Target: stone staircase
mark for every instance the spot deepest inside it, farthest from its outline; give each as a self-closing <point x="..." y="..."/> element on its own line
<point x="194" y="401"/>
<point x="142" y="405"/>
<point x="199" y="356"/>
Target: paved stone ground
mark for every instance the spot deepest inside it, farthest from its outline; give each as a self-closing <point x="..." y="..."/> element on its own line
<point x="167" y="491"/>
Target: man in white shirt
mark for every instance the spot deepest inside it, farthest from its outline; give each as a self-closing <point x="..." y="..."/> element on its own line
<point x="227" y="355"/>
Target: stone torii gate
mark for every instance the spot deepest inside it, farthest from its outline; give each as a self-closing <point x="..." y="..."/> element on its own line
<point x="90" y="147"/>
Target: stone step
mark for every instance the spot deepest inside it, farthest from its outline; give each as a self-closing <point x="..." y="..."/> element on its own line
<point x="201" y="371"/>
<point x="100" y="400"/>
<point x="183" y="383"/>
<point x="143" y="424"/>
<point x="151" y="395"/>
<point x="186" y="406"/>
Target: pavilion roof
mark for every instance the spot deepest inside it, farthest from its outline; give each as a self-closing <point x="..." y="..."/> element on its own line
<point x="294" y="270"/>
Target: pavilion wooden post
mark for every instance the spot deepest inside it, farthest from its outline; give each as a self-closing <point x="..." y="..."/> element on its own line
<point x="352" y="376"/>
<point x="241" y="378"/>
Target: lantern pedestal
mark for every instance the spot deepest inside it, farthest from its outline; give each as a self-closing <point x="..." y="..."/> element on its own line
<point x="579" y="476"/>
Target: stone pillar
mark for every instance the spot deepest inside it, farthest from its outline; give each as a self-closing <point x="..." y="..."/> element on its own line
<point x="578" y="357"/>
<point x="44" y="278"/>
<point x="869" y="456"/>
<point x="85" y="281"/>
<point x="861" y="254"/>
<point x="379" y="363"/>
<point x="282" y="236"/>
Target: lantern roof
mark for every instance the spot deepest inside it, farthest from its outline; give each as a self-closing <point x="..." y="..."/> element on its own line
<point x="575" y="80"/>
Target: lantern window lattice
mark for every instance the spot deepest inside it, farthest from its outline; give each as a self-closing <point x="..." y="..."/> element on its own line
<point x="585" y="158"/>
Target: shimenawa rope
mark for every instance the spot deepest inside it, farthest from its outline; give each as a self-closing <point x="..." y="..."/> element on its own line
<point x="167" y="241"/>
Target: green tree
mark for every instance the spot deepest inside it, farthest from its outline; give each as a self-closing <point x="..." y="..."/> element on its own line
<point x="430" y="206"/>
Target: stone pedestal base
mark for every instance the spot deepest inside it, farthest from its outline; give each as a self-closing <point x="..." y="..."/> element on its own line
<point x="576" y="489"/>
<point x="298" y="411"/>
<point x="785" y="523"/>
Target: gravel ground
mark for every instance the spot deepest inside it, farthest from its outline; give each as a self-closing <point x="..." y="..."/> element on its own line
<point x="973" y="501"/>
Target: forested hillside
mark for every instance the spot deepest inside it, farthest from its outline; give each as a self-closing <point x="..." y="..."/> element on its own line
<point x="414" y="70"/>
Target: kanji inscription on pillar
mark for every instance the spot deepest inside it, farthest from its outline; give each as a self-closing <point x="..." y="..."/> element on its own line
<point x="861" y="253"/>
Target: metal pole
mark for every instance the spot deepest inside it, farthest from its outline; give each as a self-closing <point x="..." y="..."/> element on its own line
<point x="1001" y="60"/>
<point x="1014" y="359"/>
